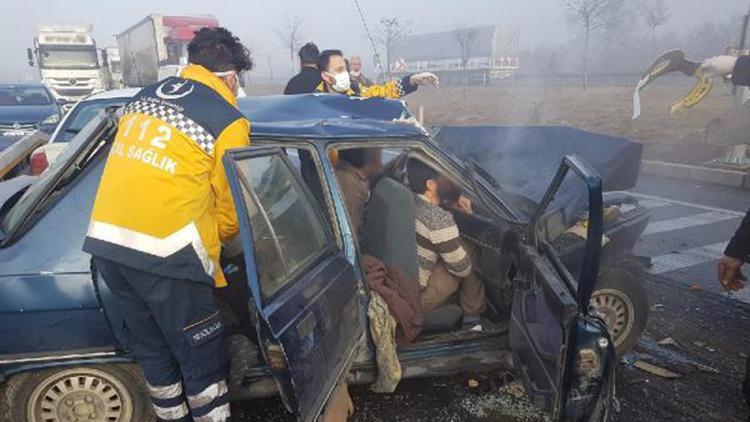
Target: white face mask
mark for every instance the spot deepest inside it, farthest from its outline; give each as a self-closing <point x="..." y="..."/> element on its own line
<point x="355" y="73"/>
<point x="341" y="82"/>
<point x="236" y="79"/>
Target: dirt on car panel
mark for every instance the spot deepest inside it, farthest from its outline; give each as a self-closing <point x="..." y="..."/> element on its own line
<point x="708" y="338"/>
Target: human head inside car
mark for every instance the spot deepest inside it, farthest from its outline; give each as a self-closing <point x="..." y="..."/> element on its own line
<point x="425" y="180"/>
<point x="369" y="161"/>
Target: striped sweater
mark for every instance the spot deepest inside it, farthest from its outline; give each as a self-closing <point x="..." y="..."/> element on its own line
<point x="438" y="240"/>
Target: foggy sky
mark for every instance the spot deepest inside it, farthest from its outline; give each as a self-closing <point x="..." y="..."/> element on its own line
<point x="331" y="24"/>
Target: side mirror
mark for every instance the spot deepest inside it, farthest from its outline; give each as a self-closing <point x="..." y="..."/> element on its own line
<point x="30" y="56"/>
<point x="61" y="101"/>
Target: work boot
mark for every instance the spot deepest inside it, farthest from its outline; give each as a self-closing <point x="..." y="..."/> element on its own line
<point x="243" y="356"/>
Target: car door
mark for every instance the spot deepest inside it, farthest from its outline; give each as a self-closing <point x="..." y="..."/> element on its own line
<point x="562" y="352"/>
<point x="304" y="290"/>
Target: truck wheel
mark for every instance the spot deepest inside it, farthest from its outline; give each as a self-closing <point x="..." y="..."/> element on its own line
<point x="101" y="393"/>
<point x="622" y="301"/>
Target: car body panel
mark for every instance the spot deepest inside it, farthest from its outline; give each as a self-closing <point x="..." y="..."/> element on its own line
<point x="48" y="295"/>
<point x="315" y="317"/>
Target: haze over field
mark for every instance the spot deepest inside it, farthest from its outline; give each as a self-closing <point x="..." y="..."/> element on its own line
<point x="542" y="23"/>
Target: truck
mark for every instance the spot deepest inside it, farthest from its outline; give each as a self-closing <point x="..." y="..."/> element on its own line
<point x="112" y="68"/>
<point x="67" y="59"/>
<point x="156" y="47"/>
<point x="493" y="55"/>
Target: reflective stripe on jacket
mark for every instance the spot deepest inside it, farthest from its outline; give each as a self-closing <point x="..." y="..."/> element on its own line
<point x="163" y="204"/>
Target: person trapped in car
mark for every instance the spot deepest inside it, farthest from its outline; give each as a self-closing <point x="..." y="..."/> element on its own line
<point x="445" y="264"/>
<point x="162" y="211"/>
<point x="737" y="252"/>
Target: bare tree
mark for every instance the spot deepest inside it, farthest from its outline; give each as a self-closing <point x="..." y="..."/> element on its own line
<point x="465" y="38"/>
<point x="291" y="33"/>
<point x="589" y="17"/>
<point x="656" y="14"/>
<point x="391" y="30"/>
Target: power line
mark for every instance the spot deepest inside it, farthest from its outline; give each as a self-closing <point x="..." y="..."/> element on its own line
<point x="369" y="35"/>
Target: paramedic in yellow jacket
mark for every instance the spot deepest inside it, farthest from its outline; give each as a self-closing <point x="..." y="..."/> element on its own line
<point x="162" y="210"/>
<point x="336" y="79"/>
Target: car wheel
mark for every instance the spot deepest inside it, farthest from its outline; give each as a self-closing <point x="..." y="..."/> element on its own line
<point x="104" y="393"/>
<point x="621" y="300"/>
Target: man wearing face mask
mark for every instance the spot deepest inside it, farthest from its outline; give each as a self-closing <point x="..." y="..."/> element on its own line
<point x="162" y="211"/>
<point x="336" y="79"/>
<point x="445" y="264"/>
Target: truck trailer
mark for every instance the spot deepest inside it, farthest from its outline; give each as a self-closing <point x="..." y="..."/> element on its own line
<point x="67" y="59"/>
<point x="493" y="54"/>
<point x="156" y="47"/>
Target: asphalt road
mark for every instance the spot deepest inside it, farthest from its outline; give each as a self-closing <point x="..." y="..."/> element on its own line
<point x="695" y="331"/>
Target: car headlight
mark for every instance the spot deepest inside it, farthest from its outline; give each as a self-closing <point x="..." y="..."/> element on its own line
<point x="52" y="119"/>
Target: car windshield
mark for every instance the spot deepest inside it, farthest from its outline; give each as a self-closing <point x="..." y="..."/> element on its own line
<point x="82" y="114"/>
<point x="70" y="58"/>
<point x="74" y="159"/>
<point x="24" y="96"/>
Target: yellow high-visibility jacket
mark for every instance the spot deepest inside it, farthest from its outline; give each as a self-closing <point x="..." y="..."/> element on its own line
<point x="394" y="89"/>
<point x="163" y="204"/>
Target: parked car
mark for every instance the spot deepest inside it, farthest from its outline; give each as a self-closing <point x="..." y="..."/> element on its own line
<point x="74" y="120"/>
<point x="25" y="108"/>
<point x="63" y="334"/>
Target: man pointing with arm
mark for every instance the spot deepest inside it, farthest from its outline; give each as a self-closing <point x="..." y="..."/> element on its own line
<point x="162" y="210"/>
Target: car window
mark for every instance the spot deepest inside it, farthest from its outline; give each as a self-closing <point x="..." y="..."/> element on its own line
<point x="288" y="228"/>
<point x="23" y="96"/>
<point x="70" y="163"/>
<point x="81" y="114"/>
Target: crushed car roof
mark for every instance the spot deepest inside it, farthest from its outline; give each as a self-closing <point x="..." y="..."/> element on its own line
<point x="327" y="116"/>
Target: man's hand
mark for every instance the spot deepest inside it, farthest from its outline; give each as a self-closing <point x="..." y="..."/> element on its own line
<point x="424" y="78"/>
<point x="463" y="205"/>
<point x="730" y="275"/>
<point x="719" y="65"/>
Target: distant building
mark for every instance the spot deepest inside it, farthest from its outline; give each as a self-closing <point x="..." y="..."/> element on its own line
<point x="494" y="55"/>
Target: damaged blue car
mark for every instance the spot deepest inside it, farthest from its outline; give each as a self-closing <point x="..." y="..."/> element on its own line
<point x="554" y="255"/>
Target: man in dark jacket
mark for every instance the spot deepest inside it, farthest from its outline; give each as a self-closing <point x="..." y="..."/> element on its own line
<point x="308" y="77"/>
<point x="738" y="251"/>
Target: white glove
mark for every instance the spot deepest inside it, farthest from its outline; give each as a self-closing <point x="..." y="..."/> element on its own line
<point x="424" y="78"/>
<point x="719" y="65"/>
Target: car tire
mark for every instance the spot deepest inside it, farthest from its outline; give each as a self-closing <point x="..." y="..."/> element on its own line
<point x="621" y="299"/>
<point x="95" y="393"/>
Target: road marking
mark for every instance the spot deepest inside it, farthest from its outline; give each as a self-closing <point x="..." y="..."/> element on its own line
<point x="652" y="203"/>
<point x="684" y="222"/>
<point x="687" y="204"/>
<point x="686" y="258"/>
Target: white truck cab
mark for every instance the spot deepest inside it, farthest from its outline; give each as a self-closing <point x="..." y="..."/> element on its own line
<point x="68" y="62"/>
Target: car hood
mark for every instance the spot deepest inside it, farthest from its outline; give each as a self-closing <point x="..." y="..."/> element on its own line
<point x="25" y="114"/>
<point x="524" y="159"/>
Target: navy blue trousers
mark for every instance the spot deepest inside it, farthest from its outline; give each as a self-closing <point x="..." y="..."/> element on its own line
<point x="174" y="330"/>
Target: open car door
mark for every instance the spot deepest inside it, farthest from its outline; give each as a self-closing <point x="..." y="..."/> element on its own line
<point x="304" y="290"/>
<point x="561" y="352"/>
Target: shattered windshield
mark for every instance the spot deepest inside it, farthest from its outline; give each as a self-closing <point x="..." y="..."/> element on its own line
<point x="74" y="158"/>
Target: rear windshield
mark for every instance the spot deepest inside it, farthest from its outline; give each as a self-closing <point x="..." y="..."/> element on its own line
<point x="24" y="96"/>
<point x="71" y="162"/>
<point x="82" y="114"/>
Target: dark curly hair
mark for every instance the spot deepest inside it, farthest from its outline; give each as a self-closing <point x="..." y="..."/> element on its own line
<point x="218" y="50"/>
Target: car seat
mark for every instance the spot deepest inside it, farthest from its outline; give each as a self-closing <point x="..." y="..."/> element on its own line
<point x="389" y="234"/>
